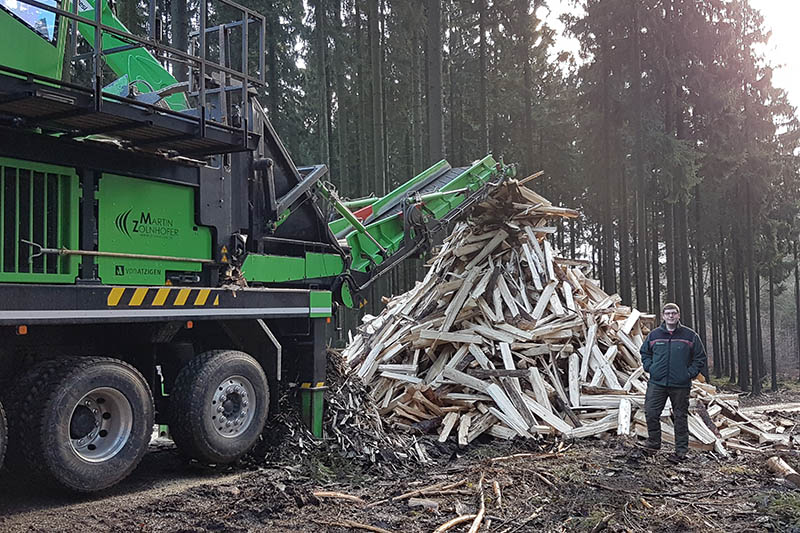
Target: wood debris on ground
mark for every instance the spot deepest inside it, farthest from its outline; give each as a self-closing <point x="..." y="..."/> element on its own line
<point x="506" y="337"/>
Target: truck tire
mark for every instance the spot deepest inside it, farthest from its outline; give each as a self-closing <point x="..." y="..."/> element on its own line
<point x="3" y="435"/>
<point x="218" y="406"/>
<point x="85" y="423"/>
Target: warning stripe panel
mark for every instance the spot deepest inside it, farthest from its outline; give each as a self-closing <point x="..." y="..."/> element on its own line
<point x="160" y="297"/>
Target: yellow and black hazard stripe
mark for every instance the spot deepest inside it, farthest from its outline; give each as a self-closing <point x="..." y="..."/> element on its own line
<point x="308" y="385"/>
<point x="161" y="297"/>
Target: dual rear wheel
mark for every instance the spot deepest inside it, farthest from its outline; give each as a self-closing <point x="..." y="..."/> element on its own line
<point x="84" y="423"/>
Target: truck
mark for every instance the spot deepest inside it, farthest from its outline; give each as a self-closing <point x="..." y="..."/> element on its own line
<point x="162" y="259"/>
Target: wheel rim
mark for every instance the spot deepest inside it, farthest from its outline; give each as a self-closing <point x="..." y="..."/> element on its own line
<point x="232" y="407"/>
<point x="100" y="424"/>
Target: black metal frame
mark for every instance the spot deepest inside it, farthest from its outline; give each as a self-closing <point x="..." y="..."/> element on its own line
<point x="183" y="134"/>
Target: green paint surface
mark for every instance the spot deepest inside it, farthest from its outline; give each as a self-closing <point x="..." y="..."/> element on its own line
<point x="38" y="203"/>
<point x="33" y="51"/>
<point x="138" y="216"/>
<point x="320" y="303"/>
<point x="278" y="268"/>
<point x="141" y="68"/>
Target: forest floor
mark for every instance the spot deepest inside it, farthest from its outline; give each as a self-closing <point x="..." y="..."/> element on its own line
<point x="592" y="485"/>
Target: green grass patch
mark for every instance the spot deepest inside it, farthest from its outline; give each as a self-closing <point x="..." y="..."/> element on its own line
<point x="783" y="508"/>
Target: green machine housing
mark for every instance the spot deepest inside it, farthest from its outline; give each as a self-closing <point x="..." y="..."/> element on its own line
<point x="157" y="221"/>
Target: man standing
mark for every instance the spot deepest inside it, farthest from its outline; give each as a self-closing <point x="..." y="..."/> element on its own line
<point x="673" y="355"/>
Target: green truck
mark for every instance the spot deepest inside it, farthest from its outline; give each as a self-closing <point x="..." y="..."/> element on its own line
<point x="162" y="259"/>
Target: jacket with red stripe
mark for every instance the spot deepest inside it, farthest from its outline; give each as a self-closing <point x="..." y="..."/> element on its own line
<point x="673" y="358"/>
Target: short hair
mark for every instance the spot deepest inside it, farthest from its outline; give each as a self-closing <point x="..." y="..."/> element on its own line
<point x="670" y="305"/>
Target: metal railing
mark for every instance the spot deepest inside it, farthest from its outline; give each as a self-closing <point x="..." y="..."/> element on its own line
<point x="207" y="76"/>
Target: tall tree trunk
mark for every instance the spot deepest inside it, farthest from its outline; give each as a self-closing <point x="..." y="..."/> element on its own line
<point x="726" y="306"/>
<point x="273" y="85"/>
<point x="453" y="148"/>
<point x="669" y="241"/>
<point x="655" y="259"/>
<point x="433" y="58"/>
<point x="607" y="247"/>
<point x="624" y="242"/>
<point x="483" y="105"/>
<point x="752" y="281"/>
<point x="341" y="96"/>
<point x="699" y="285"/>
<point x="376" y="60"/>
<point x="638" y="164"/>
<point x="715" y="321"/>
<point x="417" y="127"/>
<point x="762" y="364"/>
<point x="797" y="304"/>
<point x="363" y="103"/>
<point x="179" y="16"/>
<point x="772" y="353"/>
<point x="740" y="297"/>
<point x="321" y="45"/>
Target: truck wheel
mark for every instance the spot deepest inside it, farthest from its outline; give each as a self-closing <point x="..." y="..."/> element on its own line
<point x="218" y="406"/>
<point x="3" y="434"/>
<point x="86" y="424"/>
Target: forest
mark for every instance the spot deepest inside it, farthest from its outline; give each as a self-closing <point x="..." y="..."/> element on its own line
<point x="664" y="129"/>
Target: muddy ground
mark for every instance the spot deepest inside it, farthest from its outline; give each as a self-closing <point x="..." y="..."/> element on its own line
<point x="592" y="485"/>
<point x="586" y="487"/>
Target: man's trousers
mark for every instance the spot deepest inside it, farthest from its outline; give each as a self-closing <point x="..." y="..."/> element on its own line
<point x="654" y="402"/>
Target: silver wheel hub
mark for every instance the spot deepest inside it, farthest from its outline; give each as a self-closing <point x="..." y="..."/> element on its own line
<point x="100" y="424"/>
<point x="231" y="409"/>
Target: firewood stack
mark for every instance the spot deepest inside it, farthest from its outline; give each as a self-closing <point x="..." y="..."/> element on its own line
<point x="504" y="336"/>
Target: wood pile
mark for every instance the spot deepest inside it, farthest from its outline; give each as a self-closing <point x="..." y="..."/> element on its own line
<point x="506" y="337"/>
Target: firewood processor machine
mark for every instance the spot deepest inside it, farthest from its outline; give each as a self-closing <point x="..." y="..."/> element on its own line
<point x="162" y="259"/>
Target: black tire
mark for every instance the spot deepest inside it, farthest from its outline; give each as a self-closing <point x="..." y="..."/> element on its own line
<point x="14" y="398"/>
<point x="207" y="389"/>
<point x="3" y="435"/>
<point x="84" y="424"/>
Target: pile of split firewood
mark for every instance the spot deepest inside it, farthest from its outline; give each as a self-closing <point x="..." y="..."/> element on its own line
<point x="504" y="336"/>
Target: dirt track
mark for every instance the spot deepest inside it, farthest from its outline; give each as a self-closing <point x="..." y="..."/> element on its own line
<point x="575" y="490"/>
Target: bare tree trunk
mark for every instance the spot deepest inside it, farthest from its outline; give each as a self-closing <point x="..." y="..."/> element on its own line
<point x="483" y="106"/>
<point x="772" y="354"/>
<point x="752" y="282"/>
<point x="273" y="85"/>
<point x="434" y="60"/>
<point x="797" y="303"/>
<point x="741" y="312"/>
<point x="638" y="164"/>
<point x="179" y="16"/>
<point x="655" y="260"/>
<point x="700" y="300"/>
<point x="376" y="60"/>
<point x="363" y="104"/>
<point x="341" y="94"/>
<point x="607" y="248"/>
<point x="718" y="360"/>
<point x="726" y="305"/>
<point x="624" y="243"/>
<point x="321" y="45"/>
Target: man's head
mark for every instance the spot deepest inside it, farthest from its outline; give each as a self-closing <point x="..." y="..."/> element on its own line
<point x="671" y="313"/>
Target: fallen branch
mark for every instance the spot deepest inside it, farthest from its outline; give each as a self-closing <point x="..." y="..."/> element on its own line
<point x="523" y="455"/>
<point x="450" y="524"/>
<point x="338" y="496"/>
<point x="437" y="488"/>
<point x="353" y="525"/>
<point x="497" y="493"/>
<point x="779" y="466"/>
<point x="602" y="524"/>
<point x="654" y="494"/>
<point x="476" y="524"/>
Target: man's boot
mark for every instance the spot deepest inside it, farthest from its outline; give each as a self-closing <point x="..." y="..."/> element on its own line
<point x="677" y="458"/>
<point x="650" y="448"/>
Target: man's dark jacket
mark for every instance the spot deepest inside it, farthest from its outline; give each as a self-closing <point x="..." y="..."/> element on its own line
<point x="673" y="358"/>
